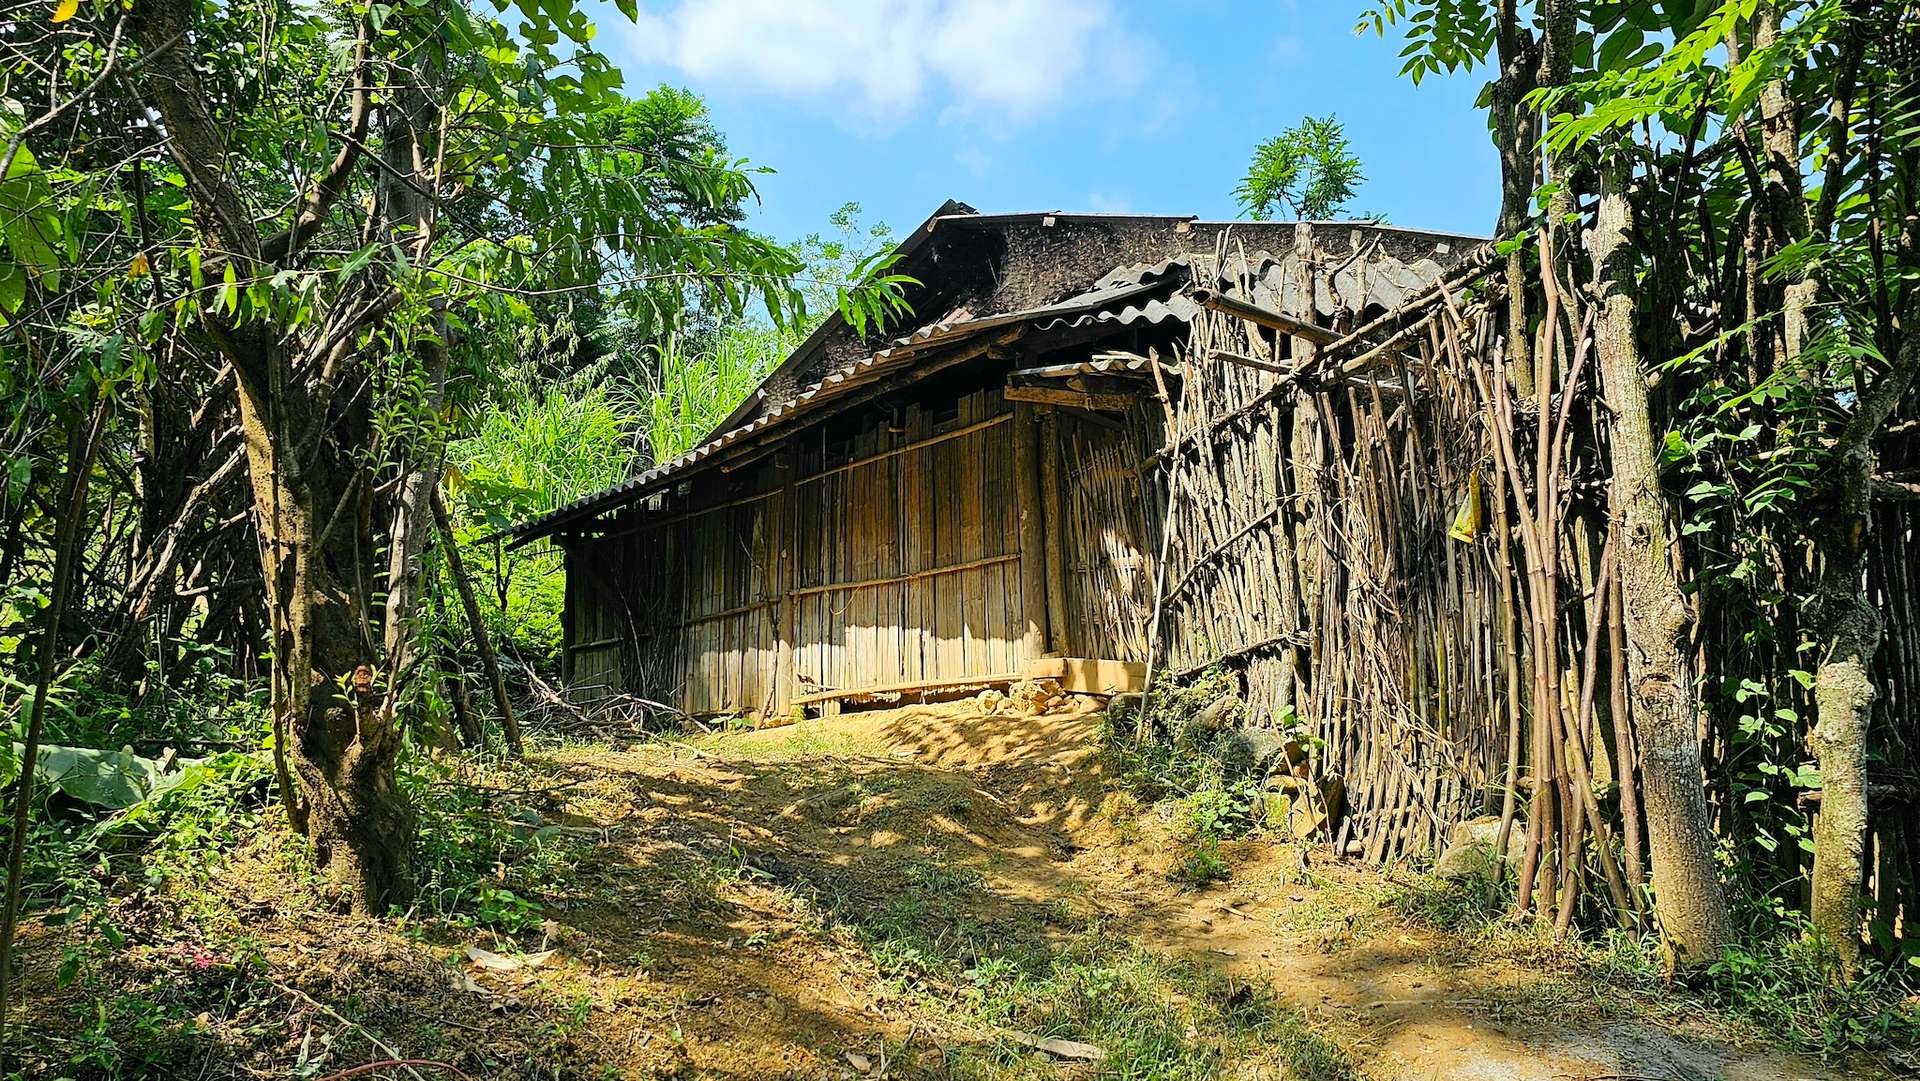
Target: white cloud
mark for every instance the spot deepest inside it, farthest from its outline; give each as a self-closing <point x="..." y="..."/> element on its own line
<point x="1006" y="58"/>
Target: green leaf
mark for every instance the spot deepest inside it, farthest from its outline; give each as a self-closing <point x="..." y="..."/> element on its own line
<point x="13" y="288"/>
<point x="113" y="780"/>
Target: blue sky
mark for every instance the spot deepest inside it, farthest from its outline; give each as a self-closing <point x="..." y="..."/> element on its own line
<point x="1077" y="105"/>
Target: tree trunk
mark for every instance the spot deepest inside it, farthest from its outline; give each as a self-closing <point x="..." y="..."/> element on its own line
<point x="312" y="499"/>
<point x="340" y="742"/>
<point x="420" y="459"/>
<point x="1688" y="900"/>
<point x="1515" y="137"/>
<point x="1843" y="690"/>
<point x="1843" y="701"/>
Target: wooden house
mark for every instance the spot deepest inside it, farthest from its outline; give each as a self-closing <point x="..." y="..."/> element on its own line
<point x="971" y="497"/>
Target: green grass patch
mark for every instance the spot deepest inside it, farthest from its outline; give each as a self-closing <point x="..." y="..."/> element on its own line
<point x="994" y="969"/>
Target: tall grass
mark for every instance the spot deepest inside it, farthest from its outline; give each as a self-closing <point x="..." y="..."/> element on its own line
<point x="534" y="453"/>
<point x="543" y="450"/>
<point x="691" y="389"/>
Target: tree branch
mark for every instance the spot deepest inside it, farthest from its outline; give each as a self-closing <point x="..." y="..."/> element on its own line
<point x="288" y="242"/>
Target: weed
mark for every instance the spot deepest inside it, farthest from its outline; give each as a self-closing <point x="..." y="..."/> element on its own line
<point x="502" y="910"/>
<point x="1786" y="986"/>
<point x="1202" y="765"/>
<point x="1230" y="811"/>
<point x="1203" y="865"/>
<point x="1779" y="981"/>
<point x="477" y="860"/>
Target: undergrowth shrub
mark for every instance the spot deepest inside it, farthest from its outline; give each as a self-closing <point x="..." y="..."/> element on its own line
<point x="171" y="842"/>
<point x="1203" y="865"/>
<point x="1784" y="984"/>
<point x="481" y="861"/>
<point x="1186" y="750"/>
<point x="1779" y="978"/>
<point x="197" y="707"/>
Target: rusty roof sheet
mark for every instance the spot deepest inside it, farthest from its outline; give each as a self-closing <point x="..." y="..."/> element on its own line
<point x="1366" y="276"/>
<point x="1124" y="283"/>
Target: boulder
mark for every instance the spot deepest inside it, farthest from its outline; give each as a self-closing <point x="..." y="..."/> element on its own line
<point x="1202" y="731"/>
<point x="1265" y="749"/>
<point x="1470" y="851"/>
<point x="1216" y="716"/>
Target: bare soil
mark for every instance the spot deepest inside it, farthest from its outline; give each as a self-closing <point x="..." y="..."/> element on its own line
<point x="721" y="922"/>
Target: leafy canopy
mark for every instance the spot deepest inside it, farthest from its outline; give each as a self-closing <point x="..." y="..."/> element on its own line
<point x="1309" y="170"/>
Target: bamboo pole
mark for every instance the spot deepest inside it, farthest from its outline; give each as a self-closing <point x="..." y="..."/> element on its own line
<point x="1053" y="516"/>
<point x="1032" y="530"/>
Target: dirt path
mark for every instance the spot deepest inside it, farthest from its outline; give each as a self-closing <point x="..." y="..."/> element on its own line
<point x="837" y="825"/>
<point x="916" y="893"/>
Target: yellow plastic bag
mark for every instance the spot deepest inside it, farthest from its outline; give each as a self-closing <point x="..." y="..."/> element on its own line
<point x="1473" y="510"/>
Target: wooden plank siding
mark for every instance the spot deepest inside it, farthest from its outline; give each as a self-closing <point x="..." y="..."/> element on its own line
<point x="885" y="558"/>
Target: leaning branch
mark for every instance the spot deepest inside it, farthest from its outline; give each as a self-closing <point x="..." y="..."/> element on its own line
<point x="288" y="242"/>
<point x="67" y="554"/>
<point x="457" y="570"/>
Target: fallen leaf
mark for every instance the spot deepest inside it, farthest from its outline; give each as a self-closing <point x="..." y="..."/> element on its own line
<point x="859" y="1062"/>
<point x="494" y="962"/>
<point x="1072" y="1050"/>
<point x="67" y="9"/>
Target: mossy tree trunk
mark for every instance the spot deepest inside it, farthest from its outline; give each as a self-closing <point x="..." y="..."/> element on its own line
<point x="1688" y="899"/>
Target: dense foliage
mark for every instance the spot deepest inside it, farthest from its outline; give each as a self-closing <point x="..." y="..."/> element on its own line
<point x="1308" y="171"/>
<point x="276" y="283"/>
<point x="1722" y="194"/>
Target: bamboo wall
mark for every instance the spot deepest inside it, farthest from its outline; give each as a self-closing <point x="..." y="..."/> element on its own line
<point x="1110" y="534"/>
<point x="872" y="563"/>
<point x="1308" y="547"/>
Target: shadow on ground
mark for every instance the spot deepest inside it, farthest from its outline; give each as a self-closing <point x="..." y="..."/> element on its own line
<point x="920" y="892"/>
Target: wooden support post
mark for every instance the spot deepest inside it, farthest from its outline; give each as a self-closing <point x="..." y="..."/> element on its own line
<point x="784" y="539"/>
<point x="1096" y="401"/>
<point x="1053" y="508"/>
<point x="1026" y="479"/>
<point x="569" y="613"/>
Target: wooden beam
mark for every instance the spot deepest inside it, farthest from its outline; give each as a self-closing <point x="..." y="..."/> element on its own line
<point x="918" y="444"/>
<point x="1091" y="675"/>
<point x="738" y="610"/>
<point x="1214" y="300"/>
<point x="832" y="697"/>
<point x="912" y="576"/>
<point x="1072" y="399"/>
<point x="598" y="643"/>
<point x="1251" y="362"/>
<point x="1026" y="486"/>
<point x="1053" y="509"/>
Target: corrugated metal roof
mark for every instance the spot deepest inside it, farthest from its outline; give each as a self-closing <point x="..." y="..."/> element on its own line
<point x="1122" y="284"/>
<point x="1366" y="276"/>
